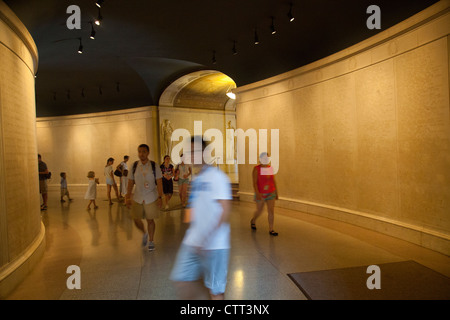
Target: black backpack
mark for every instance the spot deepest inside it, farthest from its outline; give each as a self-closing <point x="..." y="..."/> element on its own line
<point x="153" y="168"/>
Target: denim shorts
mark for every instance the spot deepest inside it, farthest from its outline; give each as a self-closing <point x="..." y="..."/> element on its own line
<point x="212" y="265"/>
<point x="183" y="181"/>
<point x="266" y="196"/>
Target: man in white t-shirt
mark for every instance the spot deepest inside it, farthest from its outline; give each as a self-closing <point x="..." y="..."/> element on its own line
<point x="147" y="199"/>
<point x="206" y="245"/>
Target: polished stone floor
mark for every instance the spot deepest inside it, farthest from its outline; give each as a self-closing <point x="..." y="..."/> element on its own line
<point x="106" y="246"/>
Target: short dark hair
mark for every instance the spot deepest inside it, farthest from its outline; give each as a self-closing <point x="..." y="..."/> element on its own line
<point x="166" y="156"/>
<point x="144" y="146"/>
<point x="61" y="174"/>
<point x="125" y="157"/>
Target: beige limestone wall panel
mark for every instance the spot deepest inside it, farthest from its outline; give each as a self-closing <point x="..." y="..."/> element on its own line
<point x="78" y="144"/>
<point x="424" y="135"/>
<point x="309" y="145"/>
<point x="19" y="152"/>
<point x="340" y="137"/>
<point x="365" y="137"/>
<point x="21" y="231"/>
<point x="377" y="140"/>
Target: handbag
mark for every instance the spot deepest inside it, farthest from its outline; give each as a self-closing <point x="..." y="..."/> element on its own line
<point x="118" y="173"/>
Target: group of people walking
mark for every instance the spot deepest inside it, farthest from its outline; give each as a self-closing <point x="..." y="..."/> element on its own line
<point x="181" y="174"/>
<point x="204" y="252"/>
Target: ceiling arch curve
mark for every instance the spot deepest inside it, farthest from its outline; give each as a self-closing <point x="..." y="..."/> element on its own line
<point x="206" y="89"/>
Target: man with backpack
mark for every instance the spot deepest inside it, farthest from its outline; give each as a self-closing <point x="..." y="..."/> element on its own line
<point x="146" y="201"/>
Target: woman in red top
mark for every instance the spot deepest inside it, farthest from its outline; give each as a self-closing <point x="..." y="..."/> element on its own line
<point x="265" y="191"/>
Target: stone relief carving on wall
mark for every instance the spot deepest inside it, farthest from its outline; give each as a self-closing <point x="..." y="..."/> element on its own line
<point x="166" y="135"/>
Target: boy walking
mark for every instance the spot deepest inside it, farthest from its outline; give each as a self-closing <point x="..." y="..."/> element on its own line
<point x="64" y="191"/>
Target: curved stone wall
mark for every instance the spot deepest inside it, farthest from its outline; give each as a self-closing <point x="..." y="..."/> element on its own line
<point x="21" y="230"/>
<point x="365" y="132"/>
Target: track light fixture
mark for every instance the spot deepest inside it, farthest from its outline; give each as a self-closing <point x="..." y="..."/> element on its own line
<point x="234" y="48"/>
<point x="92" y="36"/>
<point x="290" y="16"/>
<point x="99" y="3"/>
<point x="272" y="26"/>
<point x="256" y="37"/>
<point x="99" y="18"/>
<point x="80" y="48"/>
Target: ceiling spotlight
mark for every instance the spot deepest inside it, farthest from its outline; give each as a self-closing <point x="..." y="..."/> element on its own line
<point x="291" y="17"/>
<point x="272" y="27"/>
<point x="256" y="37"/>
<point x="230" y="94"/>
<point x="99" y="18"/>
<point x="92" y="36"/>
<point x="99" y="3"/>
<point x="80" y="48"/>
<point x="234" y="48"/>
<point x="82" y="93"/>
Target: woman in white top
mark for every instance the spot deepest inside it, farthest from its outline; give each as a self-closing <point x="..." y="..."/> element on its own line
<point x="110" y="181"/>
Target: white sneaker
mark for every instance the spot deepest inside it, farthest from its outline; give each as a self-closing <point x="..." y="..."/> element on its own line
<point x="151" y="246"/>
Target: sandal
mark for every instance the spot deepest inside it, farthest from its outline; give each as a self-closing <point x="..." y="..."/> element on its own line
<point x="252" y="225"/>
<point x="273" y="233"/>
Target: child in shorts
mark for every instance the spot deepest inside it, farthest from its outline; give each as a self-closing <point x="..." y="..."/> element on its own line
<point x="64" y="191"/>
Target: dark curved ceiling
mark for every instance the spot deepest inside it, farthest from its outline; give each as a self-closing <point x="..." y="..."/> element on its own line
<point x="143" y="46"/>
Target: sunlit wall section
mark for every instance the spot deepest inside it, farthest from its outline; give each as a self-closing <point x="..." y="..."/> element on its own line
<point x="365" y="133"/>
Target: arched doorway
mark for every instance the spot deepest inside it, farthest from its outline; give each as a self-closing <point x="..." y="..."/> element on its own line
<point x="203" y="97"/>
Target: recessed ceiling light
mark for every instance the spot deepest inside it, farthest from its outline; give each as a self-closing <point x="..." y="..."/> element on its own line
<point x="80" y="48"/>
<point x="290" y="15"/>
<point x="272" y="27"/>
<point x="256" y="37"/>
<point x="92" y="36"/>
<point x="99" y="18"/>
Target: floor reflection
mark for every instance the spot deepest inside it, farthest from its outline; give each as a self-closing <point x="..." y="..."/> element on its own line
<point x="106" y="246"/>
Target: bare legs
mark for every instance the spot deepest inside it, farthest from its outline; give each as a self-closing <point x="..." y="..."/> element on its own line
<point x="92" y="202"/>
<point x="108" y="192"/>
<point x="183" y="192"/>
<point x="150" y="227"/>
<point x="270" y="211"/>
<point x="167" y="197"/>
